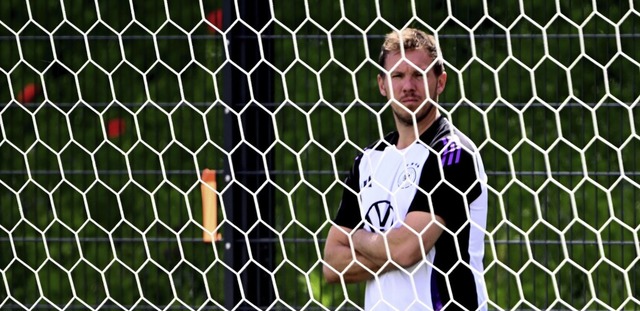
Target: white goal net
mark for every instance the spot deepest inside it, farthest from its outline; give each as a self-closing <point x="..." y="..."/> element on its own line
<point x="189" y="155"/>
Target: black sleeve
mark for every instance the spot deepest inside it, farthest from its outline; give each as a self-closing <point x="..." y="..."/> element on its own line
<point x="349" y="210"/>
<point x="446" y="200"/>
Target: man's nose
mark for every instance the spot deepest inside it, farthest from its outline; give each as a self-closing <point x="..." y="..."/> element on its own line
<point x="409" y="84"/>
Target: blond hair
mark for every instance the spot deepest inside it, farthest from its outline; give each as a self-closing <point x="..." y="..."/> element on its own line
<point x="411" y="39"/>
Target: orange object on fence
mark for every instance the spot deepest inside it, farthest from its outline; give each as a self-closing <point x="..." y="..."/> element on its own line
<point x="209" y="206"/>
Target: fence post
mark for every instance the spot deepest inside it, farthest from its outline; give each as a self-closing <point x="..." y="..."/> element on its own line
<point x="242" y="203"/>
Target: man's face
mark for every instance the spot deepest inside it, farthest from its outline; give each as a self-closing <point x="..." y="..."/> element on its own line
<point x="410" y="93"/>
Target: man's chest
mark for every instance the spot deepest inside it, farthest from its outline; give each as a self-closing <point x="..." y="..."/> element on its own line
<point x="388" y="183"/>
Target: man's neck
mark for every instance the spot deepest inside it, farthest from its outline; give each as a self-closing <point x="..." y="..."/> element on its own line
<point x="407" y="133"/>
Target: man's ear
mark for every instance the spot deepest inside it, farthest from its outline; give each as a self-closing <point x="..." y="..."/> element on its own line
<point x="382" y="85"/>
<point x="442" y="81"/>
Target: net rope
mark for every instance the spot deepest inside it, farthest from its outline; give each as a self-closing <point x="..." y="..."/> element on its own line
<point x="112" y="111"/>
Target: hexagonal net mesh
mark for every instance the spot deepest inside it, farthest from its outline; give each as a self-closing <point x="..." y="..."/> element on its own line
<point x="164" y="155"/>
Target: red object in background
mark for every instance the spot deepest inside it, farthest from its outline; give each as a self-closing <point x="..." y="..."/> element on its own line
<point x="28" y="93"/>
<point x="215" y="18"/>
<point x="115" y="127"/>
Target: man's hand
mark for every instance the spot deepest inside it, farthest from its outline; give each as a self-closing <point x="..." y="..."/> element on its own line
<point x="404" y="245"/>
<point x="339" y="260"/>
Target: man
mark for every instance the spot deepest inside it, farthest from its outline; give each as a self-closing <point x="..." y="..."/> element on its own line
<point x="411" y="222"/>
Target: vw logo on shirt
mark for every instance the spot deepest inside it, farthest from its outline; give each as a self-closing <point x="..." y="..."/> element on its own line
<point x="380" y="216"/>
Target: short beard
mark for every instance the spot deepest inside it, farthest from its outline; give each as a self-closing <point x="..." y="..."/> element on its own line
<point x="408" y="119"/>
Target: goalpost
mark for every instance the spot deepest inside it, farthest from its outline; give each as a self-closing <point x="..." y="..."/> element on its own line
<point x="189" y="155"/>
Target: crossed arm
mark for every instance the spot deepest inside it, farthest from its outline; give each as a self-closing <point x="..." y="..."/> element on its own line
<point x="403" y="246"/>
<point x="339" y="259"/>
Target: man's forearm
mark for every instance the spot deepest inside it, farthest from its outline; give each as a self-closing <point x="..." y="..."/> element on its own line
<point x="399" y="246"/>
<point x="340" y="261"/>
<point x="371" y="245"/>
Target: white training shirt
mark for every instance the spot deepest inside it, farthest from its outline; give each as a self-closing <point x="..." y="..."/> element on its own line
<point x="385" y="184"/>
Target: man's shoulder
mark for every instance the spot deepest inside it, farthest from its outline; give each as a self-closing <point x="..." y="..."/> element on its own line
<point x="453" y="147"/>
<point x="389" y="139"/>
<point x="448" y="138"/>
<point x="380" y="144"/>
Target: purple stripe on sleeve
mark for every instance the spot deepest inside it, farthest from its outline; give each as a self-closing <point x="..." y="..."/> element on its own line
<point x="451" y="154"/>
<point x="451" y="158"/>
